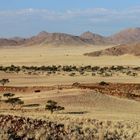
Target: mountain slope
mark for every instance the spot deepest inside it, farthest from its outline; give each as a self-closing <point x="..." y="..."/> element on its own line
<point x="132" y="49"/>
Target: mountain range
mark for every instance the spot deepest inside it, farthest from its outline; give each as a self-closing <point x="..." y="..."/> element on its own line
<point x="130" y="35"/>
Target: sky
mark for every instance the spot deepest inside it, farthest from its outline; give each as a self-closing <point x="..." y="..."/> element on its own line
<point x="28" y="17"/>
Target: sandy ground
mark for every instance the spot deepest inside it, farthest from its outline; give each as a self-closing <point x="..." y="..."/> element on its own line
<point x="61" y="55"/>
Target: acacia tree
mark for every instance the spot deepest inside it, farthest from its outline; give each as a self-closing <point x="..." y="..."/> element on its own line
<point x="14" y="101"/>
<point x="4" y="81"/>
<point x="52" y="106"/>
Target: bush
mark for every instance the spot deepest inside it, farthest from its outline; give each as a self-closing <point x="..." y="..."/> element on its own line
<point x="8" y="95"/>
<point x="103" y="83"/>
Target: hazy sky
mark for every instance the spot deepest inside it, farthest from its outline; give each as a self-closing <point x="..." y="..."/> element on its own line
<point x="28" y="17"/>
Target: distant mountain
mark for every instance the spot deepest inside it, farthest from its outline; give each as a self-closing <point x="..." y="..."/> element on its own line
<point x="56" y="39"/>
<point x="94" y="38"/>
<point x="132" y="49"/>
<point x="8" y="42"/>
<point x="125" y="36"/>
<point x="88" y="38"/>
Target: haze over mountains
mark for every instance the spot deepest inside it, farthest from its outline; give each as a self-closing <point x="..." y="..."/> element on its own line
<point x="88" y="38"/>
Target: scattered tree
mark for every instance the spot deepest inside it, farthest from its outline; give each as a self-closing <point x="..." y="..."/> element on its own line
<point x="15" y="101"/>
<point x="52" y="106"/>
<point x="4" y="81"/>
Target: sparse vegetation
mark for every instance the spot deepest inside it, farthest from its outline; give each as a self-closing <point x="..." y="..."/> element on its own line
<point x="72" y="70"/>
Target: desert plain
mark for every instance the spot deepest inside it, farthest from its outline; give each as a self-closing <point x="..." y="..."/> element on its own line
<point x="89" y="105"/>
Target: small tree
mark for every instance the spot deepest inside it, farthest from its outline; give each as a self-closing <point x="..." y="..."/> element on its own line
<point x="52" y="106"/>
<point x="4" y="81"/>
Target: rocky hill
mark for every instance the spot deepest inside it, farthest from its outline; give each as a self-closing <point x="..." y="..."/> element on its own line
<point x="132" y="49"/>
